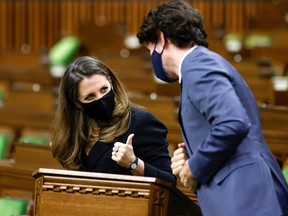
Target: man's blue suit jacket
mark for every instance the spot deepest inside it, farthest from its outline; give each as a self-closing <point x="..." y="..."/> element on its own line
<point x="222" y="130"/>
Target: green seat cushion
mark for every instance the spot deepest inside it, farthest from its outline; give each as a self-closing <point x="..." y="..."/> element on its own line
<point x="33" y="140"/>
<point x="4" y="142"/>
<point x="13" y="206"/>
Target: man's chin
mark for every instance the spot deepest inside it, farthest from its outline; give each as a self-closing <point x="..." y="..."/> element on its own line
<point x="173" y="78"/>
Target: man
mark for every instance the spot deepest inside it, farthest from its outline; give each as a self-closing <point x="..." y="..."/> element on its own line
<point x="228" y="163"/>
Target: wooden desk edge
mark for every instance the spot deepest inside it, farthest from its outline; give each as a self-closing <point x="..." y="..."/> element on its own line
<point x="84" y="174"/>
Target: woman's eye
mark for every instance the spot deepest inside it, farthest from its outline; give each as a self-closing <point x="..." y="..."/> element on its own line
<point x="104" y="89"/>
<point x="90" y="97"/>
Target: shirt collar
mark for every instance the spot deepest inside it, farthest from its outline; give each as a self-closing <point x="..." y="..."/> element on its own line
<point x="188" y="52"/>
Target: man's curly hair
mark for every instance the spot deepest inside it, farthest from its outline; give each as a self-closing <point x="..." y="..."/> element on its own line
<point x="179" y="22"/>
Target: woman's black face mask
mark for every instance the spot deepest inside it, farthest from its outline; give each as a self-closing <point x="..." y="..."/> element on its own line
<point x="101" y="109"/>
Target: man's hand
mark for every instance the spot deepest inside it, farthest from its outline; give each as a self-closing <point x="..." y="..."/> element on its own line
<point x="179" y="165"/>
<point x="178" y="159"/>
<point x="186" y="177"/>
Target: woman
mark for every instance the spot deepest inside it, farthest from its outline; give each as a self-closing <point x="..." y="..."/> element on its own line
<point x="96" y="128"/>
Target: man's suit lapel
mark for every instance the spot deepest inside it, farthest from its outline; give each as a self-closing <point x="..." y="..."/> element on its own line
<point x="180" y="116"/>
<point x="188" y="148"/>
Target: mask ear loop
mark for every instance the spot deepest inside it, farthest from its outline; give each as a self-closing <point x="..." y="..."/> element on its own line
<point x="162" y="49"/>
<point x="165" y="40"/>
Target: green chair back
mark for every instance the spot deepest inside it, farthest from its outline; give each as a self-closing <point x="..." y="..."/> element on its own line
<point x="13" y="206"/>
<point x="4" y="143"/>
<point x="33" y="140"/>
<point x="285" y="173"/>
<point x="64" y="51"/>
<point x="2" y="95"/>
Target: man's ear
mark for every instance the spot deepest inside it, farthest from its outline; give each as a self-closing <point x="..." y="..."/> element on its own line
<point x="161" y="42"/>
<point x="162" y="38"/>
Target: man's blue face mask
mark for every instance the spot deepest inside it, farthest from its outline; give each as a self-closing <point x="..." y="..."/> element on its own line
<point x="156" y="59"/>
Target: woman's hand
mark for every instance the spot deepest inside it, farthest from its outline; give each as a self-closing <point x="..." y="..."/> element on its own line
<point x="123" y="153"/>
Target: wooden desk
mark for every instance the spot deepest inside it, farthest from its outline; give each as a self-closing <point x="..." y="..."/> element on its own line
<point x="62" y="192"/>
<point x="34" y="156"/>
<point x="15" y="179"/>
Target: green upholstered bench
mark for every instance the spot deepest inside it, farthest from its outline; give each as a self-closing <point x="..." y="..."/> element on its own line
<point x="13" y="206"/>
<point x="285" y="173"/>
<point x="64" y="51"/>
<point x="4" y="143"/>
<point x="2" y="95"/>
